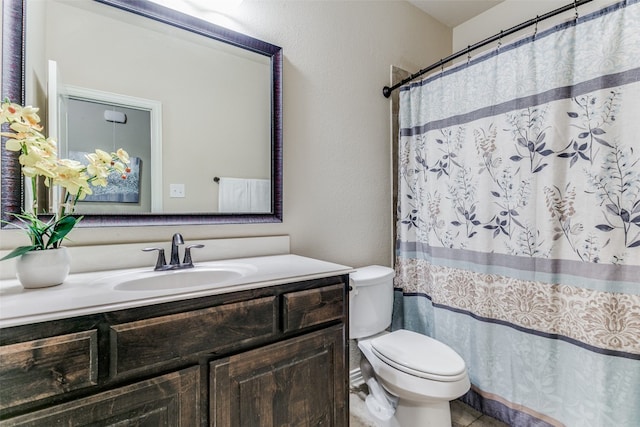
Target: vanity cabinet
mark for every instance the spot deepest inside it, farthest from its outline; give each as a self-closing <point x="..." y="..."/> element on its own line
<point x="269" y="356"/>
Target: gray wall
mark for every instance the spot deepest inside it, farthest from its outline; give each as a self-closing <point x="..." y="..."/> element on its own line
<point x="88" y="130"/>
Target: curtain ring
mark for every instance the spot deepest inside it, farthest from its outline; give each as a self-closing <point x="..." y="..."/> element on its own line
<point x="500" y="40"/>
<point x="535" y="30"/>
<point x="575" y="7"/>
<point x="441" y="67"/>
<point x="468" y="54"/>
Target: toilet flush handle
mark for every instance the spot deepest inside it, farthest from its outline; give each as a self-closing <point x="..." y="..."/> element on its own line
<point x="353" y="289"/>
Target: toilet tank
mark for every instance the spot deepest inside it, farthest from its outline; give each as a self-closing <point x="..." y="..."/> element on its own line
<point x="370" y="300"/>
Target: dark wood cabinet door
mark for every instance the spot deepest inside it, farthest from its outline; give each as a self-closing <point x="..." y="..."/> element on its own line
<point x="37" y="369"/>
<point x="166" y="401"/>
<point x="299" y="382"/>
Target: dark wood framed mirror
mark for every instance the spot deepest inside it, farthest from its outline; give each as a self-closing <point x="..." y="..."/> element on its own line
<point x="14" y="48"/>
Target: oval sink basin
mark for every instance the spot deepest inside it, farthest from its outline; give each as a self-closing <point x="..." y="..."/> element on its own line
<point x="178" y="279"/>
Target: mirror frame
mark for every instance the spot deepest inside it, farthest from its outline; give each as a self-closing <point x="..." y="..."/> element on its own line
<point x="13" y="87"/>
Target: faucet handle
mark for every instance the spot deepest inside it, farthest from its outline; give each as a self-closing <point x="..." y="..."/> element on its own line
<point x="161" y="262"/>
<point x="187" y="254"/>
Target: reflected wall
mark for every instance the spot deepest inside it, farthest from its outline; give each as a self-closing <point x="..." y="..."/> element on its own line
<point x="216" y="99"/>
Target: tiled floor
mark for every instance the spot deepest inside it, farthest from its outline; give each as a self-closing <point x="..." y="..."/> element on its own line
<point x="465" y="416"/>
<point x="461" y="414"/>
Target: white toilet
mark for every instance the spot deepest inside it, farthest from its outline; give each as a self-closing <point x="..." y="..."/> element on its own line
<point x="422" y="373"/>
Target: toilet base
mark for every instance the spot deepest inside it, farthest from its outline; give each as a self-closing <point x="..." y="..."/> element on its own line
<point x="423" y="414"/>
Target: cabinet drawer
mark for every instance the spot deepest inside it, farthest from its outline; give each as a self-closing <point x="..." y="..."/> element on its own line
<point x="141" y="344"/>
<point x="168" y="400"/>
<point x="312" y="307"/>
<point x="33" y="370"/>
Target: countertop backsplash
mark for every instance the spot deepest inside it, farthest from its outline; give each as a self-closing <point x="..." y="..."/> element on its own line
<point x="110" y="257"/>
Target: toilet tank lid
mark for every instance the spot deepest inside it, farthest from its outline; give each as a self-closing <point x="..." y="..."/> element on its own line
<point x="371" y="273"/>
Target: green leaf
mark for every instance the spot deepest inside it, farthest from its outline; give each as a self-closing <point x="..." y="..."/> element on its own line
<point x="35" y="228"/>
<point x="18" y="251"/>
<point x="61" y="228"/>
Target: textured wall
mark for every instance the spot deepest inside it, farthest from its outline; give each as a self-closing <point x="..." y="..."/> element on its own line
<point x="511" y="13"/>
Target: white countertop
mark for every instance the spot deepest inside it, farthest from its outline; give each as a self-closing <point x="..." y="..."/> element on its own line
<point x="90" y="293"/>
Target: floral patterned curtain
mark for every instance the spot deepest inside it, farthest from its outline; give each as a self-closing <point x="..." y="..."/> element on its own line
<point x="519" y="221"/>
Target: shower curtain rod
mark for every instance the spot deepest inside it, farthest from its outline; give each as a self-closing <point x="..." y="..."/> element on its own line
<point x="386" y="91"/>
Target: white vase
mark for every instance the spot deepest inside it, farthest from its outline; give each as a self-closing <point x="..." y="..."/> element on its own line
<point x="41" y="269"/>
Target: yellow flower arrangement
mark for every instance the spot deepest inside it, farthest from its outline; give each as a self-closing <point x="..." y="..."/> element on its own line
<point x="39" y="158"/>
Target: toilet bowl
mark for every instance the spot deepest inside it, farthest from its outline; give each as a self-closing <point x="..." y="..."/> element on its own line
<point x="421" y="373"/>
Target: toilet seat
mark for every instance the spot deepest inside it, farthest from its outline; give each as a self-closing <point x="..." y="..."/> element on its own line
<point x="419" y="355"/>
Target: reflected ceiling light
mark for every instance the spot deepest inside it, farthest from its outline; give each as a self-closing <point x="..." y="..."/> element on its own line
<point x="115" y="116"/>
<point x="201" y="7"/>
<point x="219" y="5"/>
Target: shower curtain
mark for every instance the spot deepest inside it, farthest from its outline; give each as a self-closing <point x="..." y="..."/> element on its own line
<point x="519" y="221"/>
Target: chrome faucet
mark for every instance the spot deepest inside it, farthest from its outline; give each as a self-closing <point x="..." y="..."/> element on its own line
<point x="176" y="241"/>
<point x="174" y="263"/>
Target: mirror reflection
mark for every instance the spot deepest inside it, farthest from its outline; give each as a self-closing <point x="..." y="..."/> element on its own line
<point x="200" y="116"/>
<point x="215" y="101"/>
